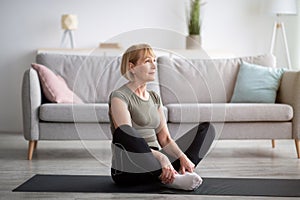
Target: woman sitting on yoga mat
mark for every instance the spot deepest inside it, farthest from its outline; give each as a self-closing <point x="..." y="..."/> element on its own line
<point x="142" y="148"/>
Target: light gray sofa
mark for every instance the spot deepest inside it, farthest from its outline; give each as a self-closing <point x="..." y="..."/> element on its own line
<point x="192" y="90"/>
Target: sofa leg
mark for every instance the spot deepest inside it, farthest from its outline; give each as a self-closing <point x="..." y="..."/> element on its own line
<point x="273" y="143"/>
<point x="31" y="147"/>
<point x="297" y="142"/>
<point x="35" y="144"/>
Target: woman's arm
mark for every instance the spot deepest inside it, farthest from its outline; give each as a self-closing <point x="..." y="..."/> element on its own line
<point x="119" y="112"/>
<point x="170" y="146"/>
<point x="168" y="172"/>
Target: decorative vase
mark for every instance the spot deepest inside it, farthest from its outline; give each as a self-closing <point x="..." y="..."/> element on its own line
<point x="193" y="42"/>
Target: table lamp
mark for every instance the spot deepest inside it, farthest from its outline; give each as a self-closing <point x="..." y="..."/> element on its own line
<point x="68" y="23"/>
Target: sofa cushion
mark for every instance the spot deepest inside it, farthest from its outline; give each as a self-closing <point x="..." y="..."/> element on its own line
<point x="193" y="113"/>
<point x="81" y="113"/>
<point x="54" y="86"/>
<point x="92" y="77"/>
<point x="74" y="113"/>
<point x="202" y="80"/>
<point x="256" y="84"/>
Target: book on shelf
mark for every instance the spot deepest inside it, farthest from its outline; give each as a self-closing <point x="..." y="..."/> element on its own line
<point x="106" y="45"/>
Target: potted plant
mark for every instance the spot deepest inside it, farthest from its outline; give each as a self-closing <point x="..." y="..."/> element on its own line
<point x="194" y="25"/>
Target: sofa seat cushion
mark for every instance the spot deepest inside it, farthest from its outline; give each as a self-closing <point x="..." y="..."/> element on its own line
<point x="81" y="113"/>
<point x="74" y="112"/>
<point x="218" y="112"/>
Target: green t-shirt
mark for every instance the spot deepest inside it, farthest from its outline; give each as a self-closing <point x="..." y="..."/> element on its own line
<point x="144" y="114"/>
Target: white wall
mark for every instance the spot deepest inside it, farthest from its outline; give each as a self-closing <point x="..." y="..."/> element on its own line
<point x="234" y="26"/>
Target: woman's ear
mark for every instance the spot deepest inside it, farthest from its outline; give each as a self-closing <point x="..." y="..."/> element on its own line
<point x="131" y="66"/>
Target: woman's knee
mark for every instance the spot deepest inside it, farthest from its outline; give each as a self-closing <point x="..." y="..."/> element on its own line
<point x="204" y="125"/>
<point x="124" y="131"/>
<point x="207" y="128"/>
<point x="128" y="138"/>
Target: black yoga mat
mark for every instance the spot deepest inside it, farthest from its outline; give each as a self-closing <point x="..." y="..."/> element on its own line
<point x="210" y="186"/>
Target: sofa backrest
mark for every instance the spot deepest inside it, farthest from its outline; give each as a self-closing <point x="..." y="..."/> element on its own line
<point x="202" y="80"/>
<point x="179" y="80"/>
<point x="91" y="77"/>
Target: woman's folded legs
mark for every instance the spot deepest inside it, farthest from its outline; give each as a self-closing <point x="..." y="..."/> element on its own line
<point x="134" y="162"/>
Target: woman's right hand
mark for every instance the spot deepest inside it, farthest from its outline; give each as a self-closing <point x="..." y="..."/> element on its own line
<point x="168" y="172"/>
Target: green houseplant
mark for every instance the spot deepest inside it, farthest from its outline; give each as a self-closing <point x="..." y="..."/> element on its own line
<point x="194" y="18"/>
<point x="193" y="40"/>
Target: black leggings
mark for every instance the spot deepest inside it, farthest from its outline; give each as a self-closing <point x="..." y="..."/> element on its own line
<point x="134" y="162"/>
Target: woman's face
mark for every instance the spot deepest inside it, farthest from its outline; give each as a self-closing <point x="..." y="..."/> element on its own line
<point x="145" y="68"/>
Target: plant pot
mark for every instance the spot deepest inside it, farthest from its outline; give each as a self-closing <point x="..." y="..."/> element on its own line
<point x="193" y="42"/>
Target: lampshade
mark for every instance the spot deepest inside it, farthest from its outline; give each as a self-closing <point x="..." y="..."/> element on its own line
<point x="69" y="22"/>
<point x="283" y="7"/>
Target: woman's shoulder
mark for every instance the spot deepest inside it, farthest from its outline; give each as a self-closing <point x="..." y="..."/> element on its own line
<point x="154" y="96"/>
<point x="120" y="93"/>
<point x="119" y="90"/>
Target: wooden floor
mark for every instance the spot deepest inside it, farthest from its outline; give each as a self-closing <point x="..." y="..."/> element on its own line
<point x="247" y="158"/>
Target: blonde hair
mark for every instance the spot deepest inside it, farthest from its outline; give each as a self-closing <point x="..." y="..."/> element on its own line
<point x="132" y="55"/>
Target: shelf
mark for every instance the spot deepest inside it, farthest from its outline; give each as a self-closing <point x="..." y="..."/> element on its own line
<point x="185" y="53"/>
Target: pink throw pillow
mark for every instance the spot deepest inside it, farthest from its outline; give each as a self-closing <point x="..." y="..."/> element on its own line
<point x="54" y="86"/>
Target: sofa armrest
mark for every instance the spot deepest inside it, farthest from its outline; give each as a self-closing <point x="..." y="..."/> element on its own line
<point x="31" y="101"/>
<point x="289" y="93"/>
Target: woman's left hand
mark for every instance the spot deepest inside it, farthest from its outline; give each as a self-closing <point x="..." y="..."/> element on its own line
<point x="186" y="165"/>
